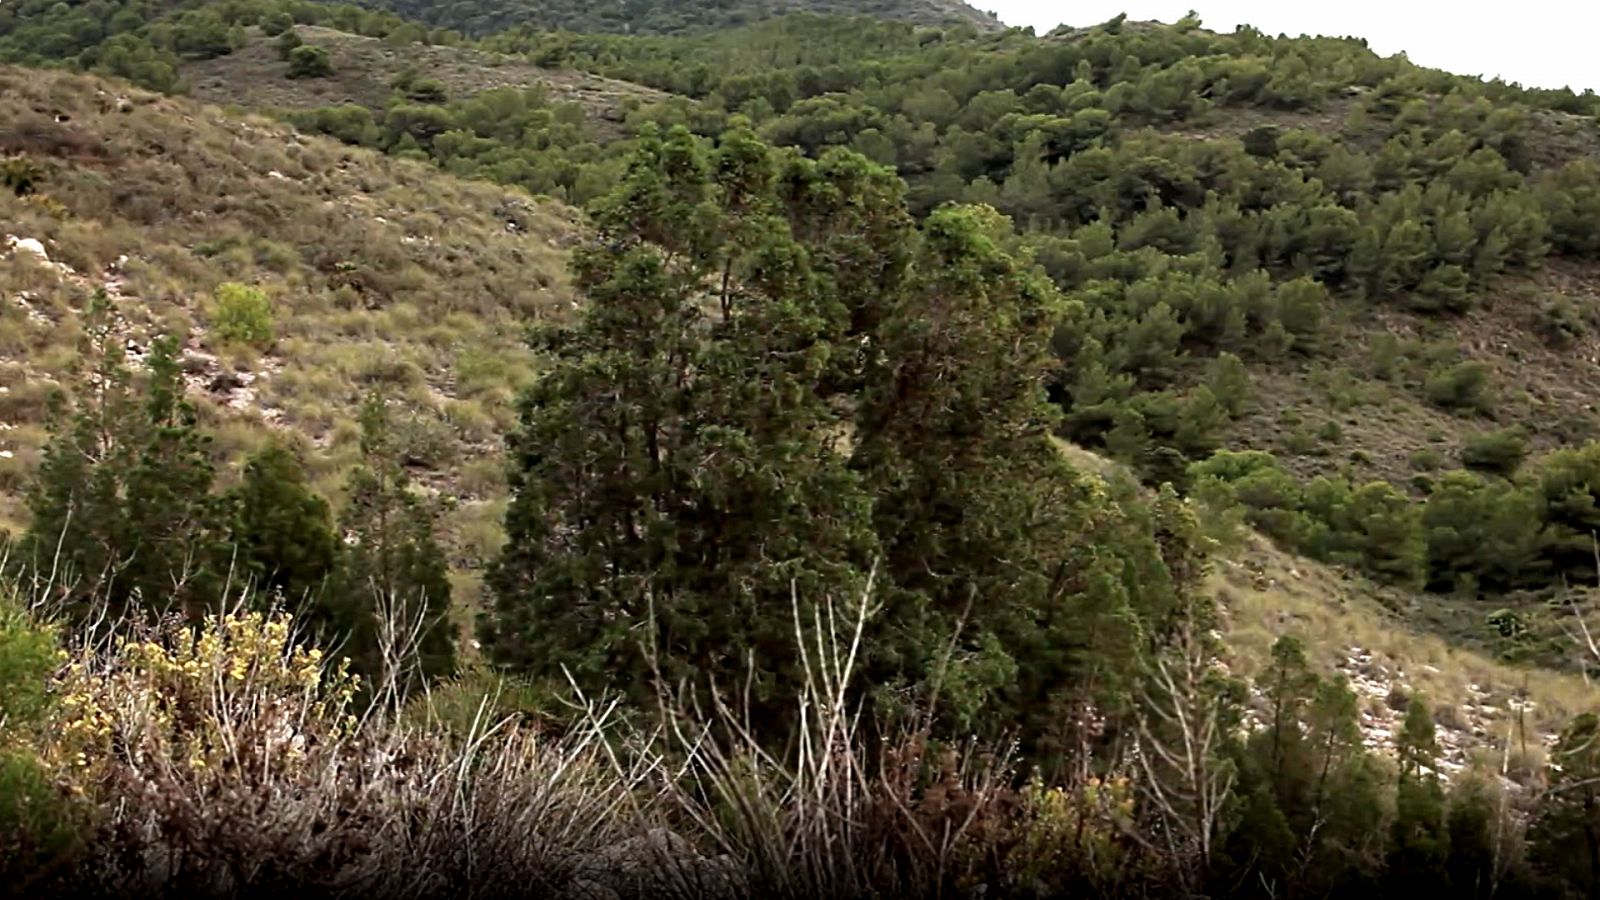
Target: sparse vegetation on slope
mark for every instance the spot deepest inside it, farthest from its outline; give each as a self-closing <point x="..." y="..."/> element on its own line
<point x="378" y="274"/>
<point x="366" y="71"/>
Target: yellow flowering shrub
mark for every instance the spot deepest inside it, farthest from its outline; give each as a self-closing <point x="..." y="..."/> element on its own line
<point x="238" y="687"/>
<point x="1060" y="828"/>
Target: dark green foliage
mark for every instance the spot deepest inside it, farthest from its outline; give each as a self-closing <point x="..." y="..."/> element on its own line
<point x="122" y="509"/>
<point x="1463" y="387"/>
<point x="671" y="468"/>
<point x="1496" y="452"/>
<point x="27" y="659"/>
<point x="1308" y="801"/>
<point x="282" y="532"/>
<point x="1470" y="826"/>
<point x="1564" y="840"/>
<point x="393" y="586"/>
<point x="512" y="135"/>
<point x="287" y="43"/>
<point x="1484" y="534"/>
<point x="679" y="471"/>
<point x="309" y="62"/>
<point x="1482" y="530"/>
<point x="1567" y="485"/>
<point x="39" y="826"/>
<point x="1571" y="199"/>
<point x="1560" y="323"/>
<point x="276" y="23"/>
<point x="1373" y="525"/>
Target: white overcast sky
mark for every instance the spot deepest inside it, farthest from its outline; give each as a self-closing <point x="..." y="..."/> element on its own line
<point x="1540" y="43"/>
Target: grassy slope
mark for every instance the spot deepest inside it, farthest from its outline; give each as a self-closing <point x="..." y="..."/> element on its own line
<point x="255" y="78"/>
<point x="383" y="274"/>
<point x="1385" y="639"/>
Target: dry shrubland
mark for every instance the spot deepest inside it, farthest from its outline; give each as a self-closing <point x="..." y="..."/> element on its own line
<point x="229" y="759"/>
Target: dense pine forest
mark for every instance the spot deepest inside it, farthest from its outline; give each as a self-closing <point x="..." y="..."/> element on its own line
<point x="788" y="449"/>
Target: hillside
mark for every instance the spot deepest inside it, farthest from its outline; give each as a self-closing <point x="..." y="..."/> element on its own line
<point x="1211" y="199"/>
<point x="671" y="16"/>
<point x="365" y="70"/>
<point x="1203" y="423"/>
<point x="381" y="273"/>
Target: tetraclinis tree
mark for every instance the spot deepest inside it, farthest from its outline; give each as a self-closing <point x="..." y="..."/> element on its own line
<point x="282" y="531"/>
<point x="391" y="605"/>
<point x="777" y="384"/>
<point x="995" y="547"/>
<point x="677" y="477"/>
<point x="122" y="509"/>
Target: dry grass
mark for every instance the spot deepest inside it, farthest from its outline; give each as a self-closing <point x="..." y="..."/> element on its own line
<point x="382" y="274"/>
<point x="227" y="762"/>
<point x="1347" y="623"/>
<point x="364" y="67"/>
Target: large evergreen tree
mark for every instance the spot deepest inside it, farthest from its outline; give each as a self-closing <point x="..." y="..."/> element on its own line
<point x="775" y="383"/>
<point x="677" y="477"/>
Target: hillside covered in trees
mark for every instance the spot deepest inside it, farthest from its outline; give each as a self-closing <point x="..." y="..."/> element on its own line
<point x="855" y="456"/>
<point x="482" y="17"/>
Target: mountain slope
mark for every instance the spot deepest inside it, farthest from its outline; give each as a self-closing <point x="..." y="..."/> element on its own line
<point x="365" y="70"/>
<point x="1391" y="645"/>
<point x="482" y="17"/>
<point x="382" y="274"/>
<point x="1196" y="196"/>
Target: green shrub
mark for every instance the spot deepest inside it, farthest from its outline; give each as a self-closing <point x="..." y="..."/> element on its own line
<point x="39" y="826"/>
<point x="1499" y="452"/>
<point x="1426" y="460"/>
<point x="243" y="315"/>
<point x="1559" y="322"/>
<point x="1487" y="530"/>
<point x="427" y="90"/>
<point x="309" y="62"/>
<point x="276" y="23"/>
<point x="27" y="656"/>
<point x="286" y="43"/>
<point x="1463" y="387"/>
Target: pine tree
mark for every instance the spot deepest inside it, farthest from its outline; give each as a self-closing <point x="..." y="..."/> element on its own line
<point x="1416" y="746"/>
<point x="1419" y="842"/>
<point x="1289" y="686"/>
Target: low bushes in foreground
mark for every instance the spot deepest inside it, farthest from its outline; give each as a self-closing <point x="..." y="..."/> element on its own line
<point x="228" y="758"/>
